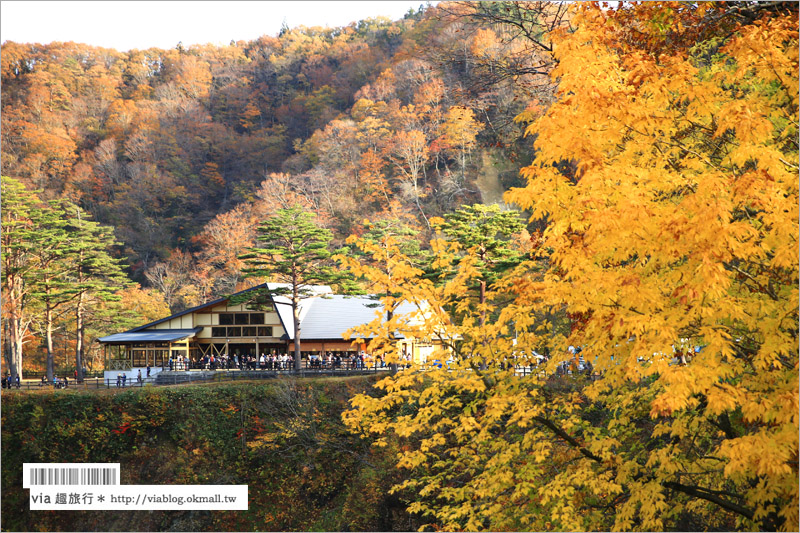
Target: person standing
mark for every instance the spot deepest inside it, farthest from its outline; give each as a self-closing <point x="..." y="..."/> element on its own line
<point x="139" y="377"/>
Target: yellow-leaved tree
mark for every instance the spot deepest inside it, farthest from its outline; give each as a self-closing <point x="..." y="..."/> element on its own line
<point x="666" y="173"/>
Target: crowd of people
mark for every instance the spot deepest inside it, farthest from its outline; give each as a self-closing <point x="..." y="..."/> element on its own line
<point x="282" y="361"/>
<point x="56" y="383"/>
<point x="354" y="360"/>
<point x="8" y="381"/>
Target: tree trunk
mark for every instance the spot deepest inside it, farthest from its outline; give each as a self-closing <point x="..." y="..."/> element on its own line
<point x="7" y="349"/>
<point x="393" y="364"/>
<point x="17" y="356"/>
<point x="79" y="330"/>
<point x="8" y="353"/>
<point x="13" y="299"/>
<point x="419" y="206"/>
<point x="296" y="320"/>
<point x="48" y="327"/>
<point x="481" y="301"/>
<point x="16" y="332"/>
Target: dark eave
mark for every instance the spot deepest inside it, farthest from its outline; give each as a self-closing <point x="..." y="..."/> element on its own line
<point x="155" y="335"/>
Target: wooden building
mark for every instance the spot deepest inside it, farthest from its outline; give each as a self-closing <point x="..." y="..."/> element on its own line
<point x="221" y="327"/>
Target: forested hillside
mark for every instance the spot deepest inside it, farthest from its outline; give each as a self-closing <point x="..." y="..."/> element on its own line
<point x="179" y="154"/>
<point x="379" y="117"/>
<point x="653" y="146"/>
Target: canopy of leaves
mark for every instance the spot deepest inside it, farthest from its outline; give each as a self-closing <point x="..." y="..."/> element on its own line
<point x="293" y="250"/>
<point x="55" y="259"/>
<point x="667" y="175"/>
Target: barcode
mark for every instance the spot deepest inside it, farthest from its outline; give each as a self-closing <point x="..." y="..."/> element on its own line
<point x="73" y="476"/>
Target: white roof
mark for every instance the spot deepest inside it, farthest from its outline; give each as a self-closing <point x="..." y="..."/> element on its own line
<point x="283" y="304"/>
<point x="328" y="316"/>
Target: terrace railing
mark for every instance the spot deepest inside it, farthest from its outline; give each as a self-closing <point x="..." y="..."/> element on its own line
<point x="211" y="374"/>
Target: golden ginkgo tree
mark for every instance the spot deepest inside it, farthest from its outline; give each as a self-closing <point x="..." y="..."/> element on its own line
<point x="667" y="174"/>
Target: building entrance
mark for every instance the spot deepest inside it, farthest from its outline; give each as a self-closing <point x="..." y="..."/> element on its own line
<point x="242" y="349"/>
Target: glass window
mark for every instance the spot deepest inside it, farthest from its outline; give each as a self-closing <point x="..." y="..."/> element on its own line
<point x="265" y="331"/>
<point x="218" y="332"/>
<point x="249" y="332"/>
<point x="225" y="319"/>
<point x="139" y="358"/>
<point x="234" y="332"/>
<point x="158" y="357"/>
<point x="241" y="319"/>
<point x="256" y="318"/>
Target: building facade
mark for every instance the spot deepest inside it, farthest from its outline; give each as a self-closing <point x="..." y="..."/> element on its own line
<point x="224" y="328"/>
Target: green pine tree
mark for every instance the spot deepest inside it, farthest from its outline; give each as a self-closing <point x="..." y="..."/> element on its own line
<point x="21" y="211"/>
<point x="486" y="231"/>
<point x="293" y="249"/>
<point x="49" y="282"/>
<point x="96" y="274"/>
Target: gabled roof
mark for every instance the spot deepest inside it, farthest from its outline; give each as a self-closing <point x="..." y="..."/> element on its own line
<point x="323" y="315"/>
<point x="176" y="315"/>
<point x="283" y="304"/>
<point x="156" y="335"/>
<point x="328" y="317"/>
<point x="200" y="307"/>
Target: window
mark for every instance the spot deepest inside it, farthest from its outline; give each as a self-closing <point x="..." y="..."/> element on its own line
<point x="265" y="331"/>
<point x="218" y="332"/>
<point x="234" y="332"/>
<point x="240" y="319"/>
<point x="249" y="332"/>
<point x="139" y="358"/>
<point x="149" y="356"/>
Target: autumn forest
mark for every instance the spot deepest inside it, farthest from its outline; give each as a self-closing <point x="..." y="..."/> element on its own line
<point x="184" y="151"/>
<point x="535" y="175"/>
